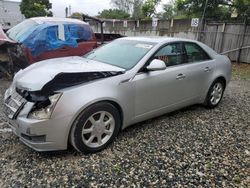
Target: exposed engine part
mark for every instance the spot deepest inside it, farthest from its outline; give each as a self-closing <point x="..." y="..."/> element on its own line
<point x="61" y="81"/>
<point x="64" y="80"/>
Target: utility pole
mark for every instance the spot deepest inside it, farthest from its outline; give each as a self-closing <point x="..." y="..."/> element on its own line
<point x="66" y="12"/>
<point x="202" y="20"/>
<point x="69" y="10"/>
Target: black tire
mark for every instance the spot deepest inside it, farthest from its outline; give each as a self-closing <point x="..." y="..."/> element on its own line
<point x="208" y="103"/>
<point x="76" y="137"/>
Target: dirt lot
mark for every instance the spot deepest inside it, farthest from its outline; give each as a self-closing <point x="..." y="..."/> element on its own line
<point x="188" y="148"/>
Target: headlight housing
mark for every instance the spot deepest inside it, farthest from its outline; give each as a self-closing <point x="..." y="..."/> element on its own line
<point x="46" y="112"/>
<point x="9" y="91"/>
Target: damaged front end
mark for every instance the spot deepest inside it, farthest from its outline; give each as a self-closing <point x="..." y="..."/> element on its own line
<point x="45" y="99"/>
<point x="12" y="56"/>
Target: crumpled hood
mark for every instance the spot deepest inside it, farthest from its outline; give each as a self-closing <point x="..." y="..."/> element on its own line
<point x="34" y="77"/>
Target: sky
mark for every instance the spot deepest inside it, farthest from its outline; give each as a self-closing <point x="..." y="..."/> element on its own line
<point x="90" y="7"/>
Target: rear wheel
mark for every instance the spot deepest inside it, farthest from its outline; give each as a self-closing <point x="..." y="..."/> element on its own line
<point x="95" y="128"/>
<point x="215" y="94"/>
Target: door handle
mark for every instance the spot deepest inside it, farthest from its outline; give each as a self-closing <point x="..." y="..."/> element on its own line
<point x="207" y="69"/>
<point x="180" y="76"/>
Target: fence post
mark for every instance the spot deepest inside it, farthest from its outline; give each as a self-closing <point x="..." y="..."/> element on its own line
<point x="201" y="30"/>
<point x="216" y="33"/>
<point x="222" y="37"/>
<point x="242" y="41"/>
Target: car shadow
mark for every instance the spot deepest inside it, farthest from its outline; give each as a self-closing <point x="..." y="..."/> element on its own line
<point x="147" y="123"/>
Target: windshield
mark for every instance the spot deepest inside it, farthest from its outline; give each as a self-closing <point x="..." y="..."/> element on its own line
<point x="121" y="53"/>
<point x="17" y="31"/>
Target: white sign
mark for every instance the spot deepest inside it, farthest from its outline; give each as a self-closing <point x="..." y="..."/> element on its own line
<point x="138" y="23"/>
<point x="195" y="22"/>
<point x="125" y="23"/>
<point x="154" y="22"/>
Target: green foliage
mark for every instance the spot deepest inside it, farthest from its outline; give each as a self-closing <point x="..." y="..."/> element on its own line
<point x="133" y="7"/>
<point x="168" y="11"/>
<point x="124" y="5"/>
<point x="194" y="8"/>
<point x="35" y="8"/>
<point x="148" y="8"/>
<point x="216" y="9"/>
<point x="242" y="7"/>
<point x="114" y="14"/>
<point x="76" y="15"/>
<point x="137" y="9"/>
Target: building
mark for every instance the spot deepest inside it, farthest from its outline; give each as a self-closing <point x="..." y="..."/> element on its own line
<point x="10" y="14"/>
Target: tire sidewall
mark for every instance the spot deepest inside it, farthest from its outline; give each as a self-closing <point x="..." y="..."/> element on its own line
<point x="76" y="131"/>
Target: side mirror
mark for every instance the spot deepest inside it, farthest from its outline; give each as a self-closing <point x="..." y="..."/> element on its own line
<point x="156" y="65"/>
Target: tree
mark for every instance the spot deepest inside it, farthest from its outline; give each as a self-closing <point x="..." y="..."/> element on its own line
<point x="137" y="9"/>
<point x="114" y="14"/>
<point x="219" y="9"/>
<point x="148" y="8"/>
<point x="35" y="8"/>
<point x="76" y="15"/>
<point x="168" y="11"/>
<point x="242" y="7"/>
<point x="124" y="5"/>
<point x="133" y="7"/>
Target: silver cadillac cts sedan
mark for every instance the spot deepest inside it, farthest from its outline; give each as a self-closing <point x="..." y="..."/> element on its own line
<point x="86" y="101"/>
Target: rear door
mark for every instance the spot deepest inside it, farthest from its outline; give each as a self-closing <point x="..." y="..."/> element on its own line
<point x="199" y="67"/>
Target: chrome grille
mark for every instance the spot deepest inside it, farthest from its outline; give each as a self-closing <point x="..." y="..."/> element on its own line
<point x="13" y="105"/>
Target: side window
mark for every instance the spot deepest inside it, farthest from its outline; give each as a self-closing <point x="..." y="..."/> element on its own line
<point x="195" y="53"/>
<point x="52" y="33"/>
<point x="171" y="54"/>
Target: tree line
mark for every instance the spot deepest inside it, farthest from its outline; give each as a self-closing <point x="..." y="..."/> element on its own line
<point x="146" y="9"/>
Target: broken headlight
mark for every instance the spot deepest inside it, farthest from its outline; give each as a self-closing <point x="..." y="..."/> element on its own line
<point x="45" y="112"/>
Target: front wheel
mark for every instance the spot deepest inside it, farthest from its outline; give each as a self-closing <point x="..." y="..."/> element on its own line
<point x="215" y="94"/>
<point x="95" y="128"/>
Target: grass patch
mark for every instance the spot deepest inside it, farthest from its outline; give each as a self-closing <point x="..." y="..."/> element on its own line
<point x="241" y="71"/>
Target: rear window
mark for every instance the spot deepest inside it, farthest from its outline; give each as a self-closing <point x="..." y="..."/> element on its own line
<point x="195" y="52"/>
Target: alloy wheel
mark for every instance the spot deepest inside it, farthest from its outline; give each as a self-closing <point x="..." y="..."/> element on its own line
<point x="216" y="93"/>
<point x="98" y="129"/>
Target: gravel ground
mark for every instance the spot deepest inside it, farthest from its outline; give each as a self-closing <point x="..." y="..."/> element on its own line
<point x="188" y="148"/>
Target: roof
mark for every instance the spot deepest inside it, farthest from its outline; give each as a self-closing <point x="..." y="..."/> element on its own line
<point x="157" y="39"/>
<point x="41" y="20"/>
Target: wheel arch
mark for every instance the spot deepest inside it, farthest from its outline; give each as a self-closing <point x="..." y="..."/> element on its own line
<point x="114" y="103"/>
<point x="222" y="78"/>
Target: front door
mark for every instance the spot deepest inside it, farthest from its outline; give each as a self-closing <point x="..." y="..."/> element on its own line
<point x="156" y="90"/>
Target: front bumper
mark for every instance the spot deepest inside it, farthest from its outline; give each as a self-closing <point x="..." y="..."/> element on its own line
<point x="45" y="135"/>
<point x="40" y="135"/>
